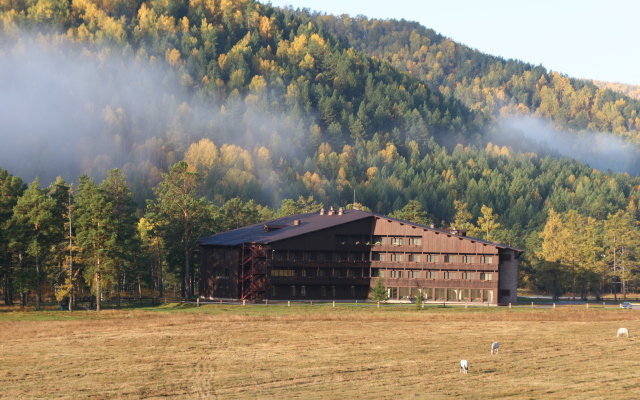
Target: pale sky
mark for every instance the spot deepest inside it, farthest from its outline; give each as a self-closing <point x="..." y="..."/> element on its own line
<point x="593" y="39"/>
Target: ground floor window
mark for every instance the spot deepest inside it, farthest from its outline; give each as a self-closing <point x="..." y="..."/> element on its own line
<point x="323" y="291"/>
<point x="487" y="296"/>
<point x="293" y="291"/>
<point x="441" y="294"/>
<point x="303" y="291"/>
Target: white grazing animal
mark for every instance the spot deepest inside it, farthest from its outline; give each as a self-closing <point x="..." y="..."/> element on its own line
<point x="623" y="332"/>
<point x="494" y="347"/>
<point x="464" y="366"/>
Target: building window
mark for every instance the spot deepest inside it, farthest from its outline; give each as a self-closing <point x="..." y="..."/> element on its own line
<point x="468" y="275"/>
<point x="222" y="273"/>
<point x="322" y="256"/>
<point x="355" y="256"/>
<point x="449" y="258"/>
<point x="293" y="291"/>
<point x="283" y="272"/>
<point x="414" y="257"/>
<point x="505" y="293"/>
<point x="427" y="294"/>
<point x="322" y="272"/>
<point x="280" y="255"/>
<point x="433" y="258"/>
<point x="228" y="254"/>
<point x="452" y="295"/>
<point x="378" y="256"/>
<point x="413" y="274"/>
<point x="396" y="256"/>
<point x="353" y="291"/>
<point x="378" y="240"/>
<point x="486" y="277"/>
<point x="476" y="295"/>
<point x="403" y="292"/>
<point x="333" y="291"/>
<point x="449" y="275"/>
<point x="505" y="257"/>
<point x="392" y="292"/>
<point x="303" y="272"/>
<point x="440" y="294"/>
<point x="432" y="274"/>
<point x="310" y="255"/>
<point x="340" y="256"/>
<point x="397" y="241"/>
<point x="379" y="273"/>
<point x="273" y="291"/>
<point x="355" y="240"/>
<point x="468" y="259"/>
<point x="415" y="241"/>
<point x="303" y="291"/>
<point x="487" y="296"/>
<point x="323" y="291"/>
<point x="338" y="272"/>
<point x="341" y="240"/>
<point x="296" y="255"/>
<point x="395" y="274"/>
<point x="486" y="259"/>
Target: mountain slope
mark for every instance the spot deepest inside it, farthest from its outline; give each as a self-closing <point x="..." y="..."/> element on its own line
<point x="488" y="84"/>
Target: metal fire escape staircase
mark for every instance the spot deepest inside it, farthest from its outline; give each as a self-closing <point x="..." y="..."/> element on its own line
<point x="253" y="272"/>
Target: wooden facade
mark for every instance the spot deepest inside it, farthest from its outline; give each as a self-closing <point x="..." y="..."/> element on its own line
<point x="341" y="256"/>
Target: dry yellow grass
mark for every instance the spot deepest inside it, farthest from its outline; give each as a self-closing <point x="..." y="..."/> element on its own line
<point x="233" y="352"/>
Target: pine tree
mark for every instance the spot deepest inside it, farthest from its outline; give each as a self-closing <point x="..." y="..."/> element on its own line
<point x="487" y="223"/>
<point x="180" y="218"/>
<point x="125" y="245"/>
<point x="379" y="292"/>
<point x="11" y="188"/>
<point x="95" y="235"/>
<point x="412" y="212"/>
<point x="34" y="211"/>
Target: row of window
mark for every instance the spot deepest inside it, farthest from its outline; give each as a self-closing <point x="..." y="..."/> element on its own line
<point x="220" y="255"/>
<point x="355" y="240"/>
<point x="363" y="272"/>
<point x="441" y="294"/>
<point x="335" y="272"/>
<point x="417" y="274"/>
<point x="282" y="255"/>
<point x="301" y="291"/>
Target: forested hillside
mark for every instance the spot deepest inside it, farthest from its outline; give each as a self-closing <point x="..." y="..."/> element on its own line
<point x="488" y="84"/>
<point x="264" y="106"/>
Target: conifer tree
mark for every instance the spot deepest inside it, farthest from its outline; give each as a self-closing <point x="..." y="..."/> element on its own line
<point x="125" y="245"/>
<point x="95" y="235"/>
<point x="34" y="212"/>
<point x="412" y="212"/>
<point x="179" y="217"/>
<point x="487" y="223"/>
<point x="379" y="292"/>
<point x="11" y="188"/>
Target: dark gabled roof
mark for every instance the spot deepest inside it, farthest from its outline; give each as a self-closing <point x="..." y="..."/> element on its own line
<point x="285" y="228"/>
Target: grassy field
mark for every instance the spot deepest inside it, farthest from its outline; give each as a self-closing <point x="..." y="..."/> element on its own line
<point x="229" y="352"/>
